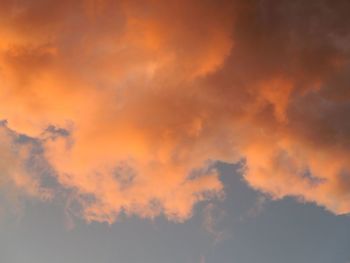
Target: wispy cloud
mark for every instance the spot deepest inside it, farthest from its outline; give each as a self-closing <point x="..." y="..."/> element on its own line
<point x="212" y="219"/>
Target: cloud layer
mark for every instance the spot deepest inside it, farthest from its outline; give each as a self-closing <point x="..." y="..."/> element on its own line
<point x="131" y="102"/>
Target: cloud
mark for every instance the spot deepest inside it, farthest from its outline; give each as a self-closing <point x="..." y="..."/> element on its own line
<point x="19" y="175"/>
<point x="131" y="102"/>
<point x="212" y="217"/>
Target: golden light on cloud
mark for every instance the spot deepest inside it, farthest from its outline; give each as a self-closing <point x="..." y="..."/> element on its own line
<point x="131" y="102"/>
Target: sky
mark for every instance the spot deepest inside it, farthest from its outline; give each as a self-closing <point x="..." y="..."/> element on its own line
<point x="174" y="131"/>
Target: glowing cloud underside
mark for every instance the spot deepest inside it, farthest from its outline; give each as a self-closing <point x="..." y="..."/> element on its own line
<point x="128" y="103"/>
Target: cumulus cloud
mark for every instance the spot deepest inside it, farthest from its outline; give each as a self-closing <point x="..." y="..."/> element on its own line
<point x="20" y="159"/>
<point x="131" y="102"/>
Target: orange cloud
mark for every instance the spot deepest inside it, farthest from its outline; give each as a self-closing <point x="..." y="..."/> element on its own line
<point x="132" y="102"/>
<point x="17" y="174"/>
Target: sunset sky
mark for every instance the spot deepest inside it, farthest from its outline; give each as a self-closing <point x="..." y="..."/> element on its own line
<point x="180" y="131"/>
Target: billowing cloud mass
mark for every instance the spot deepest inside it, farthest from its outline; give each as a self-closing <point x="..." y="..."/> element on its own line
<point x="128" y="104"/>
